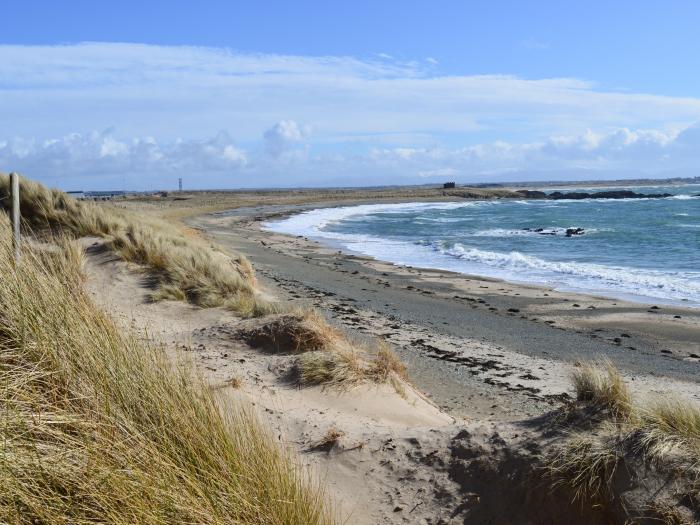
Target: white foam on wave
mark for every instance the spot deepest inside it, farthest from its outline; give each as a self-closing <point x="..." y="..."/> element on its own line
<point x="612" y="281"/>
<point x="312" y="223"/>
<point x="589" y="276"/>
<point x="683" y="197"/>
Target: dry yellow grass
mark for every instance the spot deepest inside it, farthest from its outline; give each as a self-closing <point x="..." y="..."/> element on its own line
<point x="601" y="385"/>
<point x="329" y="440"/>
<point x="97" y="426"/>
<point x="343" y="364"/>
<point x="670" y="431"/>
<point x="586" y="466"/>
<point x="186" y="267"/>
<point x="326" y="355"/>
<point x="665" y="432"/>
<point x="294" y="332"/>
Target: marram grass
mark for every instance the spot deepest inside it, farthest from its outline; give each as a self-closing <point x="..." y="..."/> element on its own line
<point x="664" y="432"/>
<point x="97" y="426"/>
<point x="186" y="268"/>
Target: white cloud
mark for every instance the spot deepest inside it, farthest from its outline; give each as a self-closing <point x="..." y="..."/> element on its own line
<point x="169" y="91"/>
<point x="282" y="136"/>
<point x="100" y="154"/>
<point x="219" y="162"/>
<point x="373" y="120"/>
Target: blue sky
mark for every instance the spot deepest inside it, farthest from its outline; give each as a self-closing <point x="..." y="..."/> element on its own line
<point x="233" y="94"/>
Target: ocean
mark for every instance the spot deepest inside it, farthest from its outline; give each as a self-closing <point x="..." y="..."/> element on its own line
<point x="645" y="250"/>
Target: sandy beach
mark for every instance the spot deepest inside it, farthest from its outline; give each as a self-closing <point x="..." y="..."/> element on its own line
<point x="477" y="347"/>
<point x="489" y="395"/>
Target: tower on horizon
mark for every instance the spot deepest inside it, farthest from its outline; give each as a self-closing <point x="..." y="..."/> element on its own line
<point x="179" y="184"/>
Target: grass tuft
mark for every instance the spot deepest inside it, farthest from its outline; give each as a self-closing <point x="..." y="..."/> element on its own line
<point x="302" y="331"/>
<point x="329" y="440"/>
<point x="670" y="429"/>
<point x="387" y="364"/>
<point x="586" y="466"/>
<point x="601" y="385"/>
<point x="663" y="434"/>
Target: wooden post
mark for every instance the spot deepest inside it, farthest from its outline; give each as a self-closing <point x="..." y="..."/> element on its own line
<point x="14" y="185"/>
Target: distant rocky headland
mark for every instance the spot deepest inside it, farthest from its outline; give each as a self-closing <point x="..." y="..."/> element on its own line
<point x="579" y="195"/>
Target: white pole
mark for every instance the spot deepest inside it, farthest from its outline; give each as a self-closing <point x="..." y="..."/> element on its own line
<point x="14" y="185"/>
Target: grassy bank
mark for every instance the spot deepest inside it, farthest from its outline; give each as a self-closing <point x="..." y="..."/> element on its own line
<point x="185" y="266"/>
<point x="188" y="268"/>
<point x="97" y="426"/>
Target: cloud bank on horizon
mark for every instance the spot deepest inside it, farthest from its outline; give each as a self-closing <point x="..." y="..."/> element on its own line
<point x="98" y="115"/>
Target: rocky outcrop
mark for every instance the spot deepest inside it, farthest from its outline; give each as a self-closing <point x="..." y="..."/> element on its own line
<point x="580" y="195"/>
<point x="613" y="194"/>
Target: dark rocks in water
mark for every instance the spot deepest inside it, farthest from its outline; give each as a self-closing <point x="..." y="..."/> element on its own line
<point x="612" y="194"/>
<point x="541" y="231"/>
<point x="532" y="194"/>
<point x="579" y="195"/>
<point x="569" y="232"/>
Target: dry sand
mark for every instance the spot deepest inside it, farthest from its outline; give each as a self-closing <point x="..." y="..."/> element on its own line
<point x="488" y="360"/>
<point x="480" y="348"/>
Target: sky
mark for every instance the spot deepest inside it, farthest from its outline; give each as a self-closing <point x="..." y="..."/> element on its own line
<point x="134" y="95"/>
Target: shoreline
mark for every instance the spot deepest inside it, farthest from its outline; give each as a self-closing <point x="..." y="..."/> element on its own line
<point x="479" y="347"/>
<point x="627" y="297"/>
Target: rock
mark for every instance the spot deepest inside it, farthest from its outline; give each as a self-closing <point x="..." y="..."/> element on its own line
<point x="612" y="194"/>
<point x="570" y="232"/>
<point x="532" y="194"/>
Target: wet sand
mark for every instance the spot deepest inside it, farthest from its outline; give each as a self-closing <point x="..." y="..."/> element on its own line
<point x="477" y="347"/>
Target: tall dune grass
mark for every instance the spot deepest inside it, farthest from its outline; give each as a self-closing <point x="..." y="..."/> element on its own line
<point x="186" y="268"/>
<point x="601" y="385"/>
<point x="664" y="433"/>
<point x="97" y="426"/>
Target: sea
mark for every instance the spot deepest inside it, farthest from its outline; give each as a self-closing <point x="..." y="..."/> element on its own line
<point x="644" y="250"/>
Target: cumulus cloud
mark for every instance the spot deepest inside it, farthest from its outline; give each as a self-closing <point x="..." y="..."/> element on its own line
<point x="100" y="153"/>
<point x="644" y="152"/>
<point x="282" y="136"/>
<point x="220" y="161"/>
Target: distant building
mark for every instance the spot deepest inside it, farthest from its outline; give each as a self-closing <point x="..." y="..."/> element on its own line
<point x="448" y="185"/>
<point x="103" y="195"/>
<point x="95" y="195"/>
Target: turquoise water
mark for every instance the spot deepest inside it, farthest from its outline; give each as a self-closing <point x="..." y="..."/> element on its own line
<point x="643" y="249"/>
